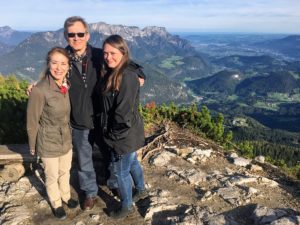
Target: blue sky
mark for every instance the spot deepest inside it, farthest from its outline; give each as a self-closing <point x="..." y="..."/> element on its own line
<point x="267" y="16"/>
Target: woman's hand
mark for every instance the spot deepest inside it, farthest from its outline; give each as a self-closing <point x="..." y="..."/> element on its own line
<point x="29" y="88"/>
<point x="32" y="151"/>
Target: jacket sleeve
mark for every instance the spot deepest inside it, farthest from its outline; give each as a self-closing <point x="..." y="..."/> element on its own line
<point x="137" y="69"/>
<point x="34" y="111"/>
<point x="124" y="110"/>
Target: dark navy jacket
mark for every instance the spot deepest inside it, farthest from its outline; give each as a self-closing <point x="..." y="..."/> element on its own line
<point x="81" y="93"/>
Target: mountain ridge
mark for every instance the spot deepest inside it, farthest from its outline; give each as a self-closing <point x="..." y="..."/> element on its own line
<point x="12" y="37"/>
<point x="148" y="46"/>
<point x="289" y="45"/>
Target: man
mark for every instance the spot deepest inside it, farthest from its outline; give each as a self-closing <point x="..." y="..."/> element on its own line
<point x="85" y="67"/>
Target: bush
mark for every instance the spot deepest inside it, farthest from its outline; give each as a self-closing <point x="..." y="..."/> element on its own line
<point x="200" y="121"/>
<point x="13" y="102"/>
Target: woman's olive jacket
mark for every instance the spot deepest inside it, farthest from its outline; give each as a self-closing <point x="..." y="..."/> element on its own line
<point x="48" y="119"/>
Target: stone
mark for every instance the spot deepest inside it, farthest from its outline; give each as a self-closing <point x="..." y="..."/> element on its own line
<point x="156" y="209"/>
<point x="200" y="152"/>
<point x="284" y="221"/>
<point x="12" y="172"/>
<point x="254" y="168"/>
<point x="239" y="180"/>
<point x="162" y="158"/>
<point x="267" y="181"/>
<point x="14" y="215"/>
<point x="221" y="220"/>
<point x="95" y="217"/>
<point x="260" y="158"/>
<point x="191" y="160"/>
<point x="252" y="191"/>
<point x="240" y="161"/>
<point x="228" y="193"/>
<point x="178" y="214"/>
<point x="190" y="176"/>
<point x="183" y="152"/>
<point x="265" y="215"/>
<point x="228" y="171"/>
<point x="233" y="155"/>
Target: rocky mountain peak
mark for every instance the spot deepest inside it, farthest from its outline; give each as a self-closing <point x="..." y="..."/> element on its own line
<point x="161" y="31"/>
<point x="128" y="32"/>
<point x="6" y="31"/>
<point x="12" y="37"/>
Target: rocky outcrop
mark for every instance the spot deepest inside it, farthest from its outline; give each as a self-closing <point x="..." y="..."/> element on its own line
<point x="190" y="181"/>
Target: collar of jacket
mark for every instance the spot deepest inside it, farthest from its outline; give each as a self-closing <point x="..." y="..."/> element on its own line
<point x="51" y="82"/>
<point x="71" y="51"/>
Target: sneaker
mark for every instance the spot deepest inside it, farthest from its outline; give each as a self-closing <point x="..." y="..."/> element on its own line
<point x="122" y="212"/>
<point x="140" y="194"/>
<point x="60" y="213"/>
<point x="72" y="203"/>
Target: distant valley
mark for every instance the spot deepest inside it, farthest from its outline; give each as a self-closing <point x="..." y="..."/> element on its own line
<point x="256" y="84"/>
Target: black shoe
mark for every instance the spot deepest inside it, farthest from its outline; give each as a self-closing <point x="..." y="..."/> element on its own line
<point x="60" y="213"/>
<point x="138" y="195"/>
<point x="115" y="192"/>
<point x="72" y="203"/>
<point x="122" y="212"/>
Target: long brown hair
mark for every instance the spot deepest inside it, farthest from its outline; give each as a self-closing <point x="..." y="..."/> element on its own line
<point x="113" y="77"/>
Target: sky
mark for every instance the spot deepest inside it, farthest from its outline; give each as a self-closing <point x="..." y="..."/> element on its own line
<point x="259" y="16"/>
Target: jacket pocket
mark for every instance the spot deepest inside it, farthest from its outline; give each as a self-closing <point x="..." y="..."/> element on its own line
<point x="66" y="138"/>
<point x="52" y="139"/>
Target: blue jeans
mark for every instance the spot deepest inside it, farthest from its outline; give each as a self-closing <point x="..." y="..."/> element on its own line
<point x="84" y="147"/>
<point x="123" y="170"/>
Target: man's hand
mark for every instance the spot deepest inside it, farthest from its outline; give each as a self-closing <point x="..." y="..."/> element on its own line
<point x="29" y="88"/>
<point x="142" y="81"/>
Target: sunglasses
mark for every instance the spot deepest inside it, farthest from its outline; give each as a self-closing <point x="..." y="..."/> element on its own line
<point x="80" y="35"/>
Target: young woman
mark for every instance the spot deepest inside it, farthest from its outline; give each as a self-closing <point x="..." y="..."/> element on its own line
<point x="48" y="128"/>
<point x="121" y="123"/>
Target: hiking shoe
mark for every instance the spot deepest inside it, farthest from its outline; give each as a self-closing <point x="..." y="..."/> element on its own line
<point x="89" y="203"/>
<point x="140" y="194"/>
<point x="122" y="212"/>
<point x="72" y="203"/>
<point x="60" y="213"/>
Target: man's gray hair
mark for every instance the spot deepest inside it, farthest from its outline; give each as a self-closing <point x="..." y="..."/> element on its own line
<point x="71" y="20"/>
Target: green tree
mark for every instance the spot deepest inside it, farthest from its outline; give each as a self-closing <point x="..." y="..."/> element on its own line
<point x="246" y="149"/>
<point x="13" y="101"/>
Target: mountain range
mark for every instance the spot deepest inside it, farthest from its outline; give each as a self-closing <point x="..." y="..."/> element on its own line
<point x="173" y="64"/>
<point x="282" y="82"/>
<point x="168" y="59"/>
<point x="289" y="46"/>
<point x="4" y="48"/>
<point x="12" y="37"/>
<point x="224" y="82"/>
<point x="234" y="82"/>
